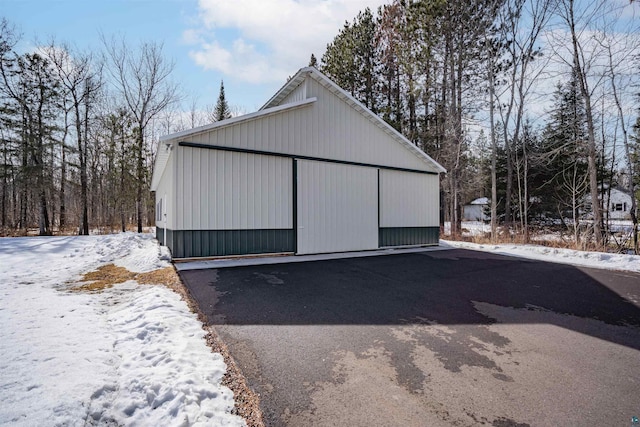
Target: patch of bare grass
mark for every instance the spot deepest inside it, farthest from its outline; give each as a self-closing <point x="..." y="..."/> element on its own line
<point x="104" y="277"/>
<point x="164" y="276"/>
<point x="108" y="275"/>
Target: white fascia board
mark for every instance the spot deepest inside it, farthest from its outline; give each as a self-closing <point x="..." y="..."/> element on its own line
<point x="235" y="120"/>
<point x="162" y="158"/>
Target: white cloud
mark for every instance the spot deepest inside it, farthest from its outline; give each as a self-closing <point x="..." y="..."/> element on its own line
<point x="269" y="40"/>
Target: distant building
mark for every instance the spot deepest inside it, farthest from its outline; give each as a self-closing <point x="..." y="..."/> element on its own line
<point x="618" y="204"/>
<point x="475" y="210"/>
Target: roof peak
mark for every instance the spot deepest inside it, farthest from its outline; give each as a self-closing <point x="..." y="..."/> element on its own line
<point x="303" y="73"/>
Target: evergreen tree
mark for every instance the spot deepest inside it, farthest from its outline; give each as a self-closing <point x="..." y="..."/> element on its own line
<point x="338" y="60"/>
<point x="561" y="183"/>
<point x="313" y="62"/>
<point x="221" y="111"/>
<point x="350" y="59"/>
<point x="33" y="95"/>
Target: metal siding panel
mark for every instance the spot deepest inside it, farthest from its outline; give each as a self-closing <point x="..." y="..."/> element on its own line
<point x="273" y="140"/>
<point x="244" y="140"/>
<point x="165" y="188"/>
<point x="278" y="186"/>
<point x="171" y="189"/>
<point x="227" y="216"/>
<point x="270" y="191"/>
<point x="408" y="199"/>
<point x="205" y="191"/>
<point x="252" y="191"/>
<point x="211" y="191"/>
<point x="197" y="243"/>
<point x="296" y="95"/>
<point x="197" y="195"/>
<point x="337" y="207"/>
<point x="244" y="191"/>
<point x="404" y="236"/>
<point x="222" y="185"/>
<point x="180" y="189"/>
<point x="241" y="242"/>
<point x="176" y="189"/>
<point x="188" y="189"/>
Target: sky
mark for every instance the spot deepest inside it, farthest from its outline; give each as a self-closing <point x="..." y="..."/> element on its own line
<point x="253" y="45"/>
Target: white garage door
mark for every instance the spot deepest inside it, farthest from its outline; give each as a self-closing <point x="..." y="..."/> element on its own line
<point x="337" y="207"/>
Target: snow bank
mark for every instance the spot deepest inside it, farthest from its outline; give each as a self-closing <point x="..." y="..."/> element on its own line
<point x="131" y="355"/>
<point x="558" y="255"/>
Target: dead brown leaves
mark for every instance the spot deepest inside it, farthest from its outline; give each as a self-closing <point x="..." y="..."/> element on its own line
<point x="108" y="275"/>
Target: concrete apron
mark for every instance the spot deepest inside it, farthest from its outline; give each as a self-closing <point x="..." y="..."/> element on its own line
<point x="250" y="260"/>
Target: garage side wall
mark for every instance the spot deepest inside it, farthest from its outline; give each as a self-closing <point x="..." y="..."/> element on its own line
<point x="164" y="202"/>
<point x="231" y="203"/>
<point x="409" y="209"/>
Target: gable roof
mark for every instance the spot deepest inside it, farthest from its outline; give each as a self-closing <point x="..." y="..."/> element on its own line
<point x="325" y="81"/>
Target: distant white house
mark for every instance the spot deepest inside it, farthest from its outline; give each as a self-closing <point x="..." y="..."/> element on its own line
<point x="618" y="204"/>
<point x="475" y="210"/>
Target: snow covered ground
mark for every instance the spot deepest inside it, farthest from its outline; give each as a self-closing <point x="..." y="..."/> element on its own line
<point x="132" y="354"/>
<point x="563" y="256"/>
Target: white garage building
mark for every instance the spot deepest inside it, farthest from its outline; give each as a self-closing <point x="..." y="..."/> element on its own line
<point x="312" y="171"/>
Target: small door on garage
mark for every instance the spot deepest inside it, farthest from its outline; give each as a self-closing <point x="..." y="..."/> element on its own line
<point x="337" y="207"/>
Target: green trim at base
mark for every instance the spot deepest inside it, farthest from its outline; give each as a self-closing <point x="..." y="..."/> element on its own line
<point x="160" y="235"/>
<point x="403" y="236"/>
<point x="207" y="243"/>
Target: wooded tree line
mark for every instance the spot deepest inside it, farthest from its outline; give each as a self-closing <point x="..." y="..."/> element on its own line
<point x="528" y="102"/>
<point x="78" y="132"/>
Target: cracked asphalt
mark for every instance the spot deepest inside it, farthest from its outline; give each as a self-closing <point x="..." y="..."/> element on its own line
<point x="435" y="338"/>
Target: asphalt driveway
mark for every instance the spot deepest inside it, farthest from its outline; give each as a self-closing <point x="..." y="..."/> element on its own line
<point x="451" y="337"/>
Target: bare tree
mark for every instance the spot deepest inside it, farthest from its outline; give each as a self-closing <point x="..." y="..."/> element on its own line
<point x="615" y="59"/>
<point x="141" y="77"/>
<point x="81" y="77"/>
<point x="522" y="22"/>
<point x="581" y="62"/>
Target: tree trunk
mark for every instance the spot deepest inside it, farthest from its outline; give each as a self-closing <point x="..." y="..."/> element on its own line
<point x="591" y="138"/>
<point x="4" y="188"/>
<point x="494" y="150"/>
<point x="630" y="165"/>
<point x="140" y="179"/>
<point x="63" y="179"/>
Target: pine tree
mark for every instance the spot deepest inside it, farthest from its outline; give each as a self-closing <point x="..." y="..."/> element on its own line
<point x="562" y="183"/>
<point x="350" y="59"/>
<point x="313" y="62"/>
<point x="221" y="112"/>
